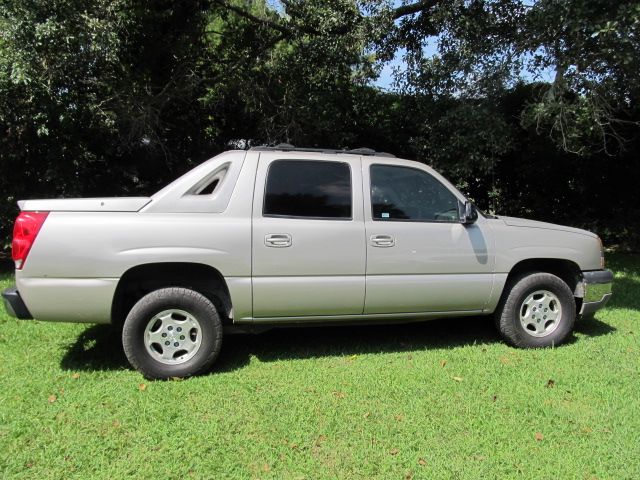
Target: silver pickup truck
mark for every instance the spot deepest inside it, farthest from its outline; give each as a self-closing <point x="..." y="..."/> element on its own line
<point x="279" y="235"/>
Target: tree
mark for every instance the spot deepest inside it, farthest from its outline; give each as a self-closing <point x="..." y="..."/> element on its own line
<point x="484" y="46"/>
<point x="592" y="47"/>
<point x="97" y="97"/>
<point x="294" y="81"/>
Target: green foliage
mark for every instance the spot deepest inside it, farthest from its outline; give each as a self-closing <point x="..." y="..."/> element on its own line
<point x="300" y="86"/>
<point x="590" y="48"/>
<point x="97" y="97"/>
<point x="593" y="48"/>
<point x="467" y="140"/>
<point x="51" y="66"/>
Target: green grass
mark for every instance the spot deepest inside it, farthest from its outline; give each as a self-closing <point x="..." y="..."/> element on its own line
<point x="445" y="399"/>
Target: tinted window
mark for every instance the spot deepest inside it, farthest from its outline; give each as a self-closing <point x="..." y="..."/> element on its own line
<point x="404" y="193"/>
<point x="302" y="188"/>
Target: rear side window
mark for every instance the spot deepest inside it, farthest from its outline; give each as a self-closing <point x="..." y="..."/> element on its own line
<point x="308" y="189"/>
<point x="209" y="184"/>
<point x="407" y="194"/>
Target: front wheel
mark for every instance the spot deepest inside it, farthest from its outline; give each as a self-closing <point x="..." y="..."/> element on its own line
<point x="537" y="310"/>
<point x="172" y="332"/>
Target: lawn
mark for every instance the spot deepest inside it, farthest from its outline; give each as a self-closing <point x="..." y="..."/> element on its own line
<point x="444" y="399"/>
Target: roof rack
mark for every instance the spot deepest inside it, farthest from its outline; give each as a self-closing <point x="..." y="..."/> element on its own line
<point x="286" y="147"/>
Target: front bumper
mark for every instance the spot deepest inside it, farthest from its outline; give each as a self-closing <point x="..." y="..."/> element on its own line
<point x="14" y="305"/>
<point x="597" y="290"/>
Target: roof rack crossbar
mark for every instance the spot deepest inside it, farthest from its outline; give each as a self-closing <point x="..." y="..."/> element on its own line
<point x="286" y="147"/>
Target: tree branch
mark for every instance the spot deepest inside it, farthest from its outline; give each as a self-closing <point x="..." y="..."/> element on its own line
<point x="249" y="16"/>
<point x="412" y="8"/>
<point x="399" y="12"/>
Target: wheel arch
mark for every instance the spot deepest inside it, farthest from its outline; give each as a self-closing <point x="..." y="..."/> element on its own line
<point x="142" y="279"/>
<point x="567" y="270"/>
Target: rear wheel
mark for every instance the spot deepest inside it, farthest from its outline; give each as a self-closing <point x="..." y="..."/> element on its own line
<point x="172" y="332"/>
<point x="537" y="310"/>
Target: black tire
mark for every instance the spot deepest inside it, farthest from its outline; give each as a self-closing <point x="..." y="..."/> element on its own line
<point x="512" y="306"/>
<point x="196" y="307"/>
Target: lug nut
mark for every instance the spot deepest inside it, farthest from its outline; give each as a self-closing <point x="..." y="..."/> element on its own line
<point x="181" y="337"/>
<point x="167" y="343"/>
<point x="164" y="334"/>
<point x="176" y="344"/>
<point x="169" y="327"/>
<point x="179" y="329"/>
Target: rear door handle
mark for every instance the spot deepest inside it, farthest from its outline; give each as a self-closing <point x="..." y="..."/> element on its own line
<point x="382" y="240"/>
<point x="278" y="240"/>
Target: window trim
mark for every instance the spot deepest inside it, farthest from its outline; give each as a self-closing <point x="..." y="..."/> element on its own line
<point x="303" y="217"/>
<point x="408" y="220"/>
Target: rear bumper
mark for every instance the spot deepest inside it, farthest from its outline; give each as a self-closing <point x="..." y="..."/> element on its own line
<point x="597" y="290"/>
<point x="14" y="305"/>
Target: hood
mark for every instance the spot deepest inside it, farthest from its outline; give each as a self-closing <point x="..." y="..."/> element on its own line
<point x="523" y="222"/>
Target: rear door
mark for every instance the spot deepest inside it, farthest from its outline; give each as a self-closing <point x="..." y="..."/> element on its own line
<point x="308" y="240"/>
<point x="420" y="258"/>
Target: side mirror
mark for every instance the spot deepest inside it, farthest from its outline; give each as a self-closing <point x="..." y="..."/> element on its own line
<point x="467" y="212"/>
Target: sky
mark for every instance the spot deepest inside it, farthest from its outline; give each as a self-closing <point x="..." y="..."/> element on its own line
<point x="385" y="80"/>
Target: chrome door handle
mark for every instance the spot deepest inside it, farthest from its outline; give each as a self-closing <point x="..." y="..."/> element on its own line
<point x="382" y="240"/>
<point x="278" y="240"/>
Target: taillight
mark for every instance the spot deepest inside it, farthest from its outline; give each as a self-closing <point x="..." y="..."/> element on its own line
<point x="25" y="230"/>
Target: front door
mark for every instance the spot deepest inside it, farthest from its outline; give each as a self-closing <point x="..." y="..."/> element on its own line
<point x="308" y="239"/>
<point x="420" y="258"/>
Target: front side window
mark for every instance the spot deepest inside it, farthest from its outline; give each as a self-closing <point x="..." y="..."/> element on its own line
<point x="408" y="194"/>
<point x="308" y="189"/>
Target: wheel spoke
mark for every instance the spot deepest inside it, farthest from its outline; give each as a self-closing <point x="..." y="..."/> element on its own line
<point x="168" y="351"/>
<point x="547" y="300"/>
<point x="155" y="337"/>
<point x="187" y="324"/>
<point x="186" y="327"/>
<point x="190" y="344"/>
